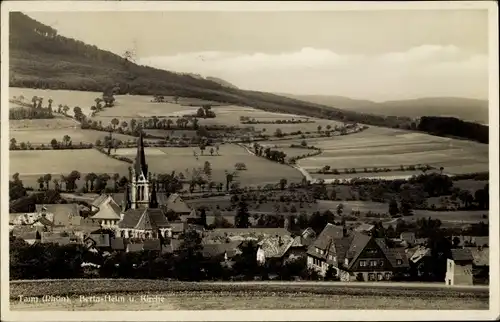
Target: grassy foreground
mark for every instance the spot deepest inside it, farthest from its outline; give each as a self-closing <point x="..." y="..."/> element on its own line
<point x="166" y="295"/>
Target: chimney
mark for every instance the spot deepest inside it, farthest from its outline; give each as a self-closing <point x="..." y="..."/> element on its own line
<point x="121" y="216"/>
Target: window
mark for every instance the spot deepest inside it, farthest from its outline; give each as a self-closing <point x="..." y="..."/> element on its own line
<point x="381" y="263"/>
<point x="401" y="262"/>
<point x="331" y="257"/>
<point x="387" y="276"/>
<point x="371" y="276"/>
<point x="373" y="263"/>
<point x="380" y="276"/>
<point x="362" y="263"/>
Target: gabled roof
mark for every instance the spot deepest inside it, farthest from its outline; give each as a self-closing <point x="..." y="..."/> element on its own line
<point x="178" y="226"/>
<point x="276" y="247"/>
<point x="213" y="250"/>
<point x="175" y="203"/>
<point x="101" y="199"/>
<point x="144" y="219"/>
<point x="108" y="211"/>
<point x="325" y="237"/>
<point x="358" y="243"/>
<point x="461" y="254"/>
<point x="417" y="253"/>
<point x="393" y="255"/>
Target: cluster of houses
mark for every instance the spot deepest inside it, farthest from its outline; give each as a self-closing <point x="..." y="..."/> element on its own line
<point x="139" y="221"/>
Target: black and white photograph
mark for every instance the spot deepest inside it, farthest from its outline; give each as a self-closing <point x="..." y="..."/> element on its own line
<point x="290" y="159"/>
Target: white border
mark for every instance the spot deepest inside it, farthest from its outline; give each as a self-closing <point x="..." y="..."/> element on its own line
<point x="288" y="315"/>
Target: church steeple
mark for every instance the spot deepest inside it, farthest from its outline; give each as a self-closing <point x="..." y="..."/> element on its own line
<point x="140" y="159"/>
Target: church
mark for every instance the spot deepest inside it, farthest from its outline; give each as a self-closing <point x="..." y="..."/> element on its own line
<point x="143" y="210"/>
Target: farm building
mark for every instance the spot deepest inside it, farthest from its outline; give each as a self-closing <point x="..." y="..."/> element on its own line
<point x="355" y="256"/>
<point x="280" y="249"/>
<point x="459" y="267"/>
<point x="224" y="252"/>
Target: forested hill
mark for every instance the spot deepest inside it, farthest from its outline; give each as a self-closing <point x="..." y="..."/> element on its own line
<point x="40" y="58"/>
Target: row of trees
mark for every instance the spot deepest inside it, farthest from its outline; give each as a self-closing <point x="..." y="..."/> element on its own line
<point x="268" y="153"/>
<point x="248" y="120"/>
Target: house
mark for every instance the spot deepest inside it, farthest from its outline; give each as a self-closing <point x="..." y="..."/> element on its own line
<point x="356" y="256"/>
<point x="30" y="237"/>
<point x="280" y="249"/>
<point x="309" y="234"/>
<point x="408" y="237"/>
<point x="143" y="223"/>
<point x="19" y="219"/>
<point x="117" y="244"/>
<point x="61" y="214"/>
<point x="480" y="264"/>
<point x="56" y="238"/>
<point x="100" y="239"/>
<point x="106" y="211"/>
<point x="178" y="228"/>
<point x="459" y="267"/>
<point x="224" y="253"/>
<point x="176" y="204"/>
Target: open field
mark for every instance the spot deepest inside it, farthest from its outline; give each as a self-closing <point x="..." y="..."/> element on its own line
<point x="383" y="147"/>
<point x="64" y="97"/>
<point x="77" y="135"/>
<point x="247" y="295"/>
<point x="259" y="171"/>
<point x="32" y="164"/>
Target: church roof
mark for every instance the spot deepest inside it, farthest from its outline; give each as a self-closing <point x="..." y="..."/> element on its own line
<point x="144" y="219"/>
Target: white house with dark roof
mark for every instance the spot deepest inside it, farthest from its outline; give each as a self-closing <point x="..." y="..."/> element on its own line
<point x="459" y="267"/>
<point x="355" y="256"/>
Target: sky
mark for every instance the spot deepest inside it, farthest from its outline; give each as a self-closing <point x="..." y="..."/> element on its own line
<point x="375" y="55"/>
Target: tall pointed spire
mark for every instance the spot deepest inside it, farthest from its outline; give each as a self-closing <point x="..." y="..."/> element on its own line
<point x="153" y="200"/>
<point x="140" y="159"/>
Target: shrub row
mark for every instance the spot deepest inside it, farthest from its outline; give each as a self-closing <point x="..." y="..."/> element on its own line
<point x="116" y="157"/>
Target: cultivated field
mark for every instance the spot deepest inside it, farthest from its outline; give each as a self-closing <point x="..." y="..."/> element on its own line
<point x="382" y="147"/>
<point x="33" y="164"/>
<point x="259" y="170"/>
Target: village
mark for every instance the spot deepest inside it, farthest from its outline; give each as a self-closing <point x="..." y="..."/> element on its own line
<point x="150" y="232"/>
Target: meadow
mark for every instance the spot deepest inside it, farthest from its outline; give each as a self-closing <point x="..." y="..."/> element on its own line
<point x="259" y="171"/>
<point x="383" y="147"/>
<point x="33" y="164"/>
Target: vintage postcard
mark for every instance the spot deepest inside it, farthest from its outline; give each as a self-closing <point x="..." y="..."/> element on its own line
<point x="249" y="161"/>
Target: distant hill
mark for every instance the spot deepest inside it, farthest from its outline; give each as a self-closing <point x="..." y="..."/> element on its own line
<point x="221" y="82"/>
<point x="41" y="58"/>
<point x="472" y="110"/>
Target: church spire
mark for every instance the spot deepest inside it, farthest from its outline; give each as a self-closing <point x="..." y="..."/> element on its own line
<point x="140" y="159"/>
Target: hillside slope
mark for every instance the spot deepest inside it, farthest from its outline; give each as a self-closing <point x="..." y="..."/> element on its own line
<point x="40" y="58"/>
<point x="472" y="110"/>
